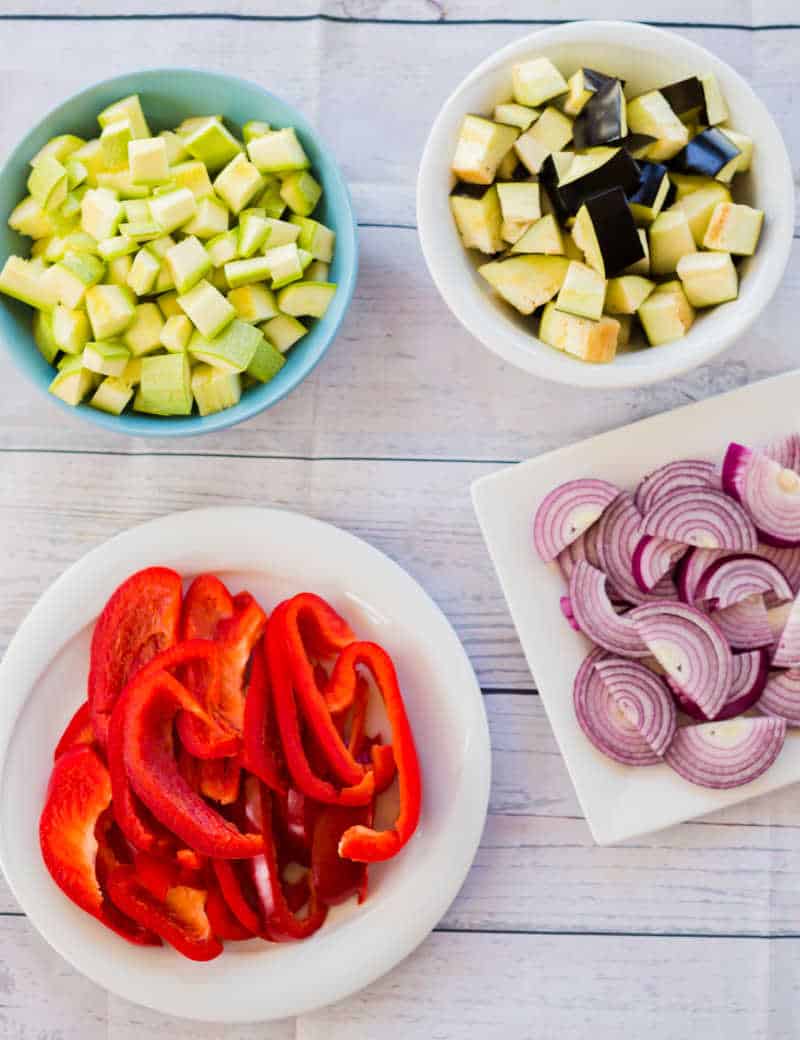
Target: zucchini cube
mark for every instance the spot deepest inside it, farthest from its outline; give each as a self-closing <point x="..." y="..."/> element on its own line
<point x="144" y="272"/>
<point x="114" y="141"/>
<point x="582" y="292"/>
<point x="136" y="211"/>
<point x="318" y="271"/>
<point x="141" y="230"/>
<point x="211" y="142"/>
<point x="194" y="176"/>
<point x="176" y="152"/>
<point x="285" y="265"/>
<point x="168" y="304"/>
<point x="207" y="309"/>
<point x="108" y="357"/>
<point x="43" y="335"/>
<point x="253" y="303"/>
<point x="112" y="395"/>
<point x="60" y="148"/>
<point x="536" y="81"/>
<point x="210" y="220"/>
<point x="734" y="229"/>
<point x="708" y="278"/>
<point x="238" y="183"/>
<point x="282" y="232"/>
<point x="111" y="309"/>
<point x="245" y="272"/>
<point x="148" y="161"/>
<point x="176" y="333"/>
<point x="318" y="239"/>
<point x="307" y="299"/>
<point x="28" y="218"/>
<point x="47" y="183"/>
<point x="92" y="157"/>
<point x="20" y="280"/>
<point x="117" y="271"/>
<point x="121" y="182"/>
<point x="143" y="335"/>
<point x="254" y="128"/>
<point x="266" y="363"/>
<point x="223" y="248"/>
<point x="101" y="213"/>
<point x="232" y="350"/>
<point x="301" y="193"/>
<point x="277" y="152"/>
<point x="76" y="173"/>
<point x="519" y="201"/>
<point x="173" y="209"/>
<point x="214" y="390"/>
<point x="283" y="331"/>
<point x="70" y="329"/>
<point x="119" y="245"/>
<point x="72" y="383"/>
<point x="270" y="198"/>
<point x="74" y="275"/>
<point x="166" y="385"/>
<point x="253" y="233"/>
<point x="188" y="262"/>
<point x="129" y="108"/>
<point x="133" y="372"/>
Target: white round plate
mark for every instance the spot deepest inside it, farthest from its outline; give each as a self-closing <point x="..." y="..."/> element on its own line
<point x="273" y="554"/>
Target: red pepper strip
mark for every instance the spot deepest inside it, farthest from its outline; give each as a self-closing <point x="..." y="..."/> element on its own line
<point x="224" y="923"/>
<point x="303" y="777"/>
<point x="308" y="612"/>
<point x="297" y="892"/>
<point x="138" y="622"/>
<point x="228" y="875"/>
<point x="180" y="917"/>
<point x="112" y="850"/>
<point x="279" y="923"/>
<point x="336" y="879"/>
<point x="294" y="817"/>
<point x="79" y="731"/>
<point x="383" y="766"/>
<point x="363" y="843"/>
<point x="149" y="755"/>
<point x="261" y="748"/>
<point x="219" y="779"/>
<point x="207" y="602"/>
<point x="236" y="636"/>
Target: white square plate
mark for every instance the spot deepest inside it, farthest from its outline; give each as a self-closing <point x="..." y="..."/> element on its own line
<point x="618" y="801"/>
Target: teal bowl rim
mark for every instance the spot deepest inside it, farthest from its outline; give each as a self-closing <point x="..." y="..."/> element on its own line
<point x="255" y="399"/>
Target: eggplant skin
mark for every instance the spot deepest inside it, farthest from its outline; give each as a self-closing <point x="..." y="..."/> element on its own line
<point x="685" y="95"/>
<point x="619" y="171"/>
<point x="615" y="231"/>
<point x="651" y="178"/>
<point x="602" y="118"/>
<point x="706" y="154"/>
<point x="548" y="178"/>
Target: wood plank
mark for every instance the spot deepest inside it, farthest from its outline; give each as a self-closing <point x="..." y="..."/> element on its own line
<point x="404" y="380"/>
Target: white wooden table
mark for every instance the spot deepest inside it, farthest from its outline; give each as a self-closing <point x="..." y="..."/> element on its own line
<point x="693" y="932"/>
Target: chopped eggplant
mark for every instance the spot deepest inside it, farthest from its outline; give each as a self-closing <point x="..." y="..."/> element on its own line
<point x="706" y="154"/>
<point x="646" y="202"/>
<point x="537" y="81"/>
<point x="597" y="172"/>
<point x="603" y="118"/>
<point x="549" y="134"/>
<point x="734" y="229"/>
<point x="636" y="144"/>
<point x="481" y="146"/>
<point x="509" y="165"/>
<point x="642" y="266"/>
<point x="670" y="239"/>
<point x="519" y="201"/>
<point x="554" y="167"/>
<point x="594" y="341"/>
<point x="699" y="205"/>
<point x="520" y="116"/>
<point x="583" y="292"/>
<point x="478" y="217"/>
<point x="741" y="162"/>
<point x="626" y="294"/>
<point x="666" y="314"/>
<point x="542" y="237"/>
<point x="526" y="282"/>
<point x="697" y="99"/>
<point x="708" y="278"/>
<point x="582" y="85"/>
<point x="605" y="231"/>
<point x="651" y="114"/>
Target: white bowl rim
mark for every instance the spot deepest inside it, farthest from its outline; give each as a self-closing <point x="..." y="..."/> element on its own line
<point x="497" y="333"/>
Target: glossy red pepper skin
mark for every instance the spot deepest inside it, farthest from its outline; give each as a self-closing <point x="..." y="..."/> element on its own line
<point x="224" y="923"/>
<point x="326" y="632"/>
<point x="262" y="755"/>
<point x="238" y="899"/>
<point x="179" y="918"/>
<point x="304" y="778"/>
<point x="139" y="621"/>
<point x="219" y="779"/>
<point x="363" y="843"/>
<point x="207" y="602"/>
<point x="149" y="756"/>
<point x="78" y="731"/>
<point x="112" y="850"/>
<point x="335" y="879"/>
<point x="237" y="636"/>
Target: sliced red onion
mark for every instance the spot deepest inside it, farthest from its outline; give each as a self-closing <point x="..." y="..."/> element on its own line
<point x="735" y="577"/>
<point x="784" y="450"/>
<point x="605" y="725"/>
<point x="787" y="560"/>
<point x="781" y="697"/>
<point x="595" y="614"/>
<point x="691" y="650"/>
<point x="745" y="624"/>
<point x="726" y="754"/>
<point x="702" y="517"/>
<point x="749" y="677"/>
<point x="691" y="568"/>
<point x="653" y="558"/>
<point x="567" y="511"/>
<point x="787" y="652"/>
<point x="566" y="610"/>
<point x="769" y="492"/>
<point x="642" y="698"/>
<point x="618" y="535"/>
<point x="661" y="483"/>
<point x="777" y="617"/>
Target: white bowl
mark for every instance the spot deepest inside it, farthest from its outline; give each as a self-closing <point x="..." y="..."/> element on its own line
<point x="646" y="58"/>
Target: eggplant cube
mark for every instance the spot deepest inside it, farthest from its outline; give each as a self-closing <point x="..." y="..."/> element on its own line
<point x="547" y="135"/>
<point x="520" y="116"/>
<point x="594" y="341"/>
<point x="670" y="239"/>
<point x="537" y="81"/>
<point x="519" y="201"/>
<point x="734" y="229"/>
<point x="595" y="172"/>
<point x="666" y="314"/>
<point x="544" y="236"/>
<point x="603" y="118"/>
<point x="526" y="282"/>
<point x="651" y="114"/>
<point x="706" y="154"/>
<point x="708" y="278"/>
<point x="646" y="202"/>
<point x="583" y="292"/>
<point x="605" y="231"/>
<point x="582" y="86"/>
<point x="481" y="146"/>
<point x="626" y="294"/>
<point x="478" y="218"/>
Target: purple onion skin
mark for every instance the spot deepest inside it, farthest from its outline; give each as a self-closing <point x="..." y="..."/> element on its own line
<point x="553" y="525"/>
<point x="745" y="624"/>
<point x="740" y="702"/>
<point x="674" y="475"/>
<point x="704" y="517"/>
<point x="689" y="570"/>
<point x="566" y="610"/>
<point x="635" y="688"/>
<point x="787" y="652"/>
<point x="784" y="450"/>
<point x="695" y="756"/>
<point x="711" y="586"/>
<point x="781" y="697"/>
<point x="653" y="559"/>
<point x="595" y="615"/>
<point x="738" y="460"/>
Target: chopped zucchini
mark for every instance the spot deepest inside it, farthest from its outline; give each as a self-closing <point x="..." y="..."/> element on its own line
<point x="232" y="350"/>
<point x="283" y="331"/>
<point x="238" y="183"/>
<point x="244" y="272"/>
<point x="253" y="303"/>
<point x="176" y="333"/>
<point x="207" y="309"/>
<point x="277" y="152"/>
<point x="188" y="262"/>
<point x="301" y="192"/>
<point x="72" y="382"/>
<point x="211" y="142"/>
<point x="112" y="395"/>
<point x="166" y="385"/>
<point x="43" y="335"/>
<point x="143" y="335"/>
<point x="47" y="183"/>
<point x="144" y="272"/>
<point x="107" y="357"/>
<point x="129" y="108"/>
<point x="306" y="299"/>
<point x="173" y="209"/>
<point x="214" y="389"/>
<point x="148" y="161"/>
<point x="318" y="239"/>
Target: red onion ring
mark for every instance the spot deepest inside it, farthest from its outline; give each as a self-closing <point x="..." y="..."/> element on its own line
<point x="604" y="724"/>
<point x="734" y="578"/>
<point x="750" y="672"/>
<point x="745" y="624"/>
<point x="727" y="754"/>
<point x="566" y="610"/>
<point x="690" y="570"/>
<point x="596" y="617"/>
<point x="567" y="511"/>
<point x="704" y="518"/>
<point x="642" y="698"/>
<point x="787" y="652"/>
<point x="784" y="450"/>
<point x="665" y="480"/>
<point x="786" y="560"/>
<point x="691" y="650"/>
<point x="653" y="558"/>
<point x="781" y="697"/>
<point x="618" y="535"/>
<point x="769" y="492"/>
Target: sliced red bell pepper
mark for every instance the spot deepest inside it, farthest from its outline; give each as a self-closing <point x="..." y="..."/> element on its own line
<point x="207" y="602"/>
<point x="363" y="843"/>
<point x="262" y="753"/>
<point x="297" y="892"/>
<point x="224" y="923"/>
<point x="78" y="731"/>
<point x="237" y="636"/>
<point x="139" y="621"/>
<point x="294" y="817"/>
<point x="112" y="849"/>
<point x="149" y="756"/>
<point x="304" y="778"/>
<point x="239" y="897"/>
<point x="383" y="765"/>
<point x="308" y="619"/>
<point x="220" y="779"/>
<point x="179" y="918"/>
<point x="336" y="879"/>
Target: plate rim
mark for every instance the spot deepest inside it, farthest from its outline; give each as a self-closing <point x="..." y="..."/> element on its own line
<point x="20" y="670"/>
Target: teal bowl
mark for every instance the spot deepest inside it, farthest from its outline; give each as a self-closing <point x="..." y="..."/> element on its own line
<point x="169" y="96"/>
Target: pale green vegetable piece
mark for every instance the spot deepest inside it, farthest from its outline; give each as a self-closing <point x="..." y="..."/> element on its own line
<point x="285" y="265"/>
<point x="70" y="329"/>
<point x="119" y="245"/>
<point x="47" y="183"/>
<point x="43" y="335"/>
<point x="112" y="395"/>
<point x="160" y="246"/>
<point x="176" y="152"/>
<point x="301" y="193"/>
<point x="76" y="173"/>
<point x="207" y="309"/>
<point x="165" y="387"/>
<point x="253" y="303"/>
<point x="214" y="389"/>
<point x="266" y="362"/>
<point x="318" y="239"/>
<point x="278" y="151"/>
<point x="217" y="278"/>
<point x="129" y="108"/>
<point x="223" y="248"/>
<point x="537" y="81"/>
<point x="73" y="275"/>
<point x="232" y="350"/>
<point x="270" y="198"/>
<point x="114" y="142"/>
<point x="244" y="272"/>
<point x="141" y="230"/>
<point x="311" y="299"/>
<point x="91" y="155"/>
<point x="60" y="148"/>
<point x="122" y="183"/>
<point x="143" y="335"/>
<point x="72" y="382"/>
<point x="254" y="128"/>
<point x="212" y="143"/>
<point x="210" y="220"/>
<point x="137" y="211"/>
<point x="176" y="333"/>
<point x="318" y="271"/>
<point x="253" y="233"/>
<point x="283" y="331"/>
<point x="173" y="209"/>
<point x="194" y="176"/>
<point x="238" y="183"/>
<point x="111" y="309"/>
<point x="281" y="232"/>
<point x="189" y="262"/>
<point x="133" y="372"/>
<point x="144" y="272"/>
<point x="30" y="219"/>
<point x="19" y="280"/>
<point x="81" y="242"/>
<point x="118" y="270"/>
<point x="107" y="357"/>
<point x="168" y="304"/>
<point x="101" y="213"/>
<point x="148" y="161"/>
